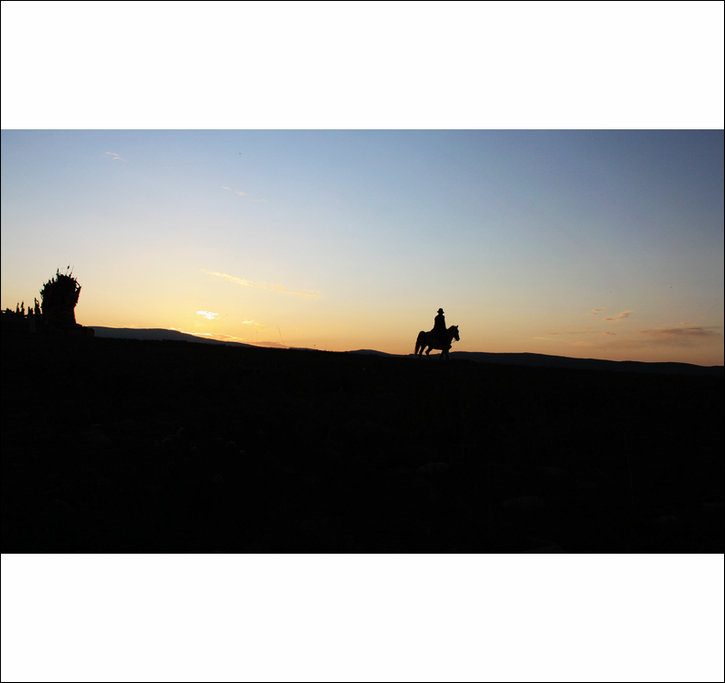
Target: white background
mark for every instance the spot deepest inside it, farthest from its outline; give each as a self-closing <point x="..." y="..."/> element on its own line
<point x="362" y="65"/>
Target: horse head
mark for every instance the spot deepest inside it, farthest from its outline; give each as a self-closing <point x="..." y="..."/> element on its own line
<point x="453" y="329"/>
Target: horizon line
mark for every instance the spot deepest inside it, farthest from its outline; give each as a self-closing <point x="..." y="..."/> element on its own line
<point x="278" y="345"/>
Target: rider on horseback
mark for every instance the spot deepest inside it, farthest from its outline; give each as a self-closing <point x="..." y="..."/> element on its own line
<point x="439" y="327"/>
<point x="439" y="337"/>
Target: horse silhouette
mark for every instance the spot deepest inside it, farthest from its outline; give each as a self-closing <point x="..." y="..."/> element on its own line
<point x="428" y="341"/>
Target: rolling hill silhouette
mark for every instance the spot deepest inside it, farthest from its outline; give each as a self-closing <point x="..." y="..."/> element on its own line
<point x="534" y="360"/>
<point x="537" y="360"/>
<point x="155" y="334"/>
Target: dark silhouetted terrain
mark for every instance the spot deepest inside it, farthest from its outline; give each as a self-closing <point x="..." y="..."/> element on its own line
<point x="113" y="445"/>
<point x="535" y="360"/>
<point x="154" y="334"/>
<point x="539" y="360"/>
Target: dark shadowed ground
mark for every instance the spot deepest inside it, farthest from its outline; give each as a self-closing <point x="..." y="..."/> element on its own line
<point x="115" y="445"/>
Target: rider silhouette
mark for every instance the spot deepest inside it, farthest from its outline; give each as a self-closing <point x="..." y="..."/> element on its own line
<point x="439" y="326"/>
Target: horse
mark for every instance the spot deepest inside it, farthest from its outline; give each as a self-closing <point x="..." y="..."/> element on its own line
<point x="429" y="341"/>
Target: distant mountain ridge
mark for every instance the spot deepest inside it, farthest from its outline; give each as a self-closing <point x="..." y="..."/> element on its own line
<point x="537" y="360"/>
<point x="542" y="360"/>
<point x="157" y="334"/>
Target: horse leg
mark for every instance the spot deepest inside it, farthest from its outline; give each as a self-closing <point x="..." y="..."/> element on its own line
<point x="419" y="343"/>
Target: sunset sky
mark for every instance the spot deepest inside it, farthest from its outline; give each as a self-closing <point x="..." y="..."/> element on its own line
<point x="584" y="243"/>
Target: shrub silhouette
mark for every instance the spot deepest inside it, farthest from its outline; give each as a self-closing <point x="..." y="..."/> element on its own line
<point x="59" y="297"/>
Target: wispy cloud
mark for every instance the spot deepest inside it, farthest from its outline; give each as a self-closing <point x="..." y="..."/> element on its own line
<point x="684" y="335"/>
<point x="276" y="288"/>
<point x="208" y="314"/>
<point x="240" y="340"/>
<point x="114" y="156"/>
<point x="587" y="330"/>
<point x="271" y="344"/>
<point x="596" y="311"/>
<point x="219" y="336"/>
<point x="233" y="191"/>
<point x="678" y="333"/>
<point x="621" y="316"/>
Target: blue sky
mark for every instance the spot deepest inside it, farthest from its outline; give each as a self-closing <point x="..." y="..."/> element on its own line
<point x="583" y="243"/>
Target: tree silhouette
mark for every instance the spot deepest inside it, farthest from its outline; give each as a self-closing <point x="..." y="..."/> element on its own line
<point x="59" y="297"/>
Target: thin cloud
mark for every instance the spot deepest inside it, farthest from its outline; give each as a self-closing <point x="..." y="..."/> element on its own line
<point x="208" y="314"/>
<point x="621" y="316"/>
<point x="236" y="192"/>
<point x="114" y="156"/>
<point x="674" y="337"/>
<point x="596" y="311"/>
<point x="692" y="332"/>
<point x="222" y="337"/>
<point x="574" y="332"/>
<point x="271" y="344"/>
<point x="218" y="336"/>
<point x="276" y="288"/>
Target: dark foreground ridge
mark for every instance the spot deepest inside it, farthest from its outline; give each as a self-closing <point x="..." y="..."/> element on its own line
<point x="539" y="360"/>
<point x="113" y="445"/>
<point x="534" y="360"/>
